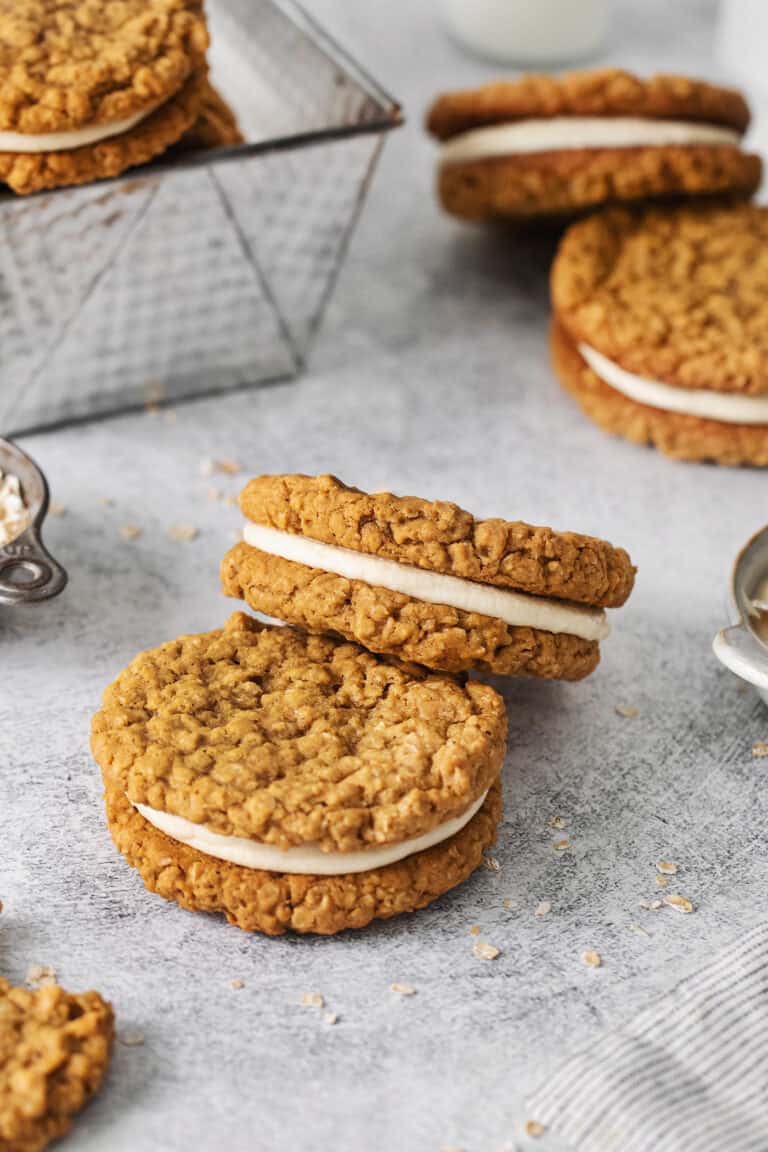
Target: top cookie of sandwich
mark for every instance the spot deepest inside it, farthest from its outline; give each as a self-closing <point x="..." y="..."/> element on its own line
<point x="679" y="296"/>
<point x="290" y="739"/>
<point x="608" y="92"/>
<point x="441" y="537"/>
<point x="65" y="64"/>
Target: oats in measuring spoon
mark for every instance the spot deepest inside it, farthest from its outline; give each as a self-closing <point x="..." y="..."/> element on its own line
<point x="14" y="514"/>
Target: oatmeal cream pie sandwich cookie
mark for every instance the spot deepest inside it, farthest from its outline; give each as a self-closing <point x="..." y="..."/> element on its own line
<point x="88" y="90"/>
<point x="660" y="328"/>
<point x="54" y="1051"/>
<point x="297" y="782"/>
<point x="424" y="580"/>
<point x="559" y="145"/>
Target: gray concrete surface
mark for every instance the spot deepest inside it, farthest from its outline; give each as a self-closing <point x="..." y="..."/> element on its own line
<point x="431" y="376"/>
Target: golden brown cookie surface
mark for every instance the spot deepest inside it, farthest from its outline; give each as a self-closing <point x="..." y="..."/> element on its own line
<point x="36" y="171"/>
<point x="605" y="92"/>
<point x="572" y="181"/>
<point x="54" y="1050"/>
<point x="65" y="64"/>
<point x="679" y="296"/>
<point x="441" y="537"/>
<point x="292" y="739"/>
<point x="435" y="635"/>
<point x="675" y="434"/>
<point x="274" y="903"/>
<point x="216" y="125"/>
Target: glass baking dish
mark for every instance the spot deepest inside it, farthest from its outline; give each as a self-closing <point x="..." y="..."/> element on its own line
<point x="204" y="272"/>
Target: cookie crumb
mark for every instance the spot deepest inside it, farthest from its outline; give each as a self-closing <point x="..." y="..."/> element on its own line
<point x="543" y="908"/>
<point x="510" y="905"/>
<point x="681" y="903"/>
<point x="236" y="984"/>
<point x="227" y="466"/>
<point x="534" y="1128"/>
<point x="591" y="958"/>
<point x="55" y="508"/>
<point x="330" y="1018"/>
<point x="40" y="974"/>
<point x="661" y="880"/>
<point x="491" y="864"/>
<point x="475" y="930"/>
<point x="485" y="951"/>
<point x="628" y="711"/>
<point x="130" y="531"/>
<point x="312" y="1000"/>
<point x="131" y="1039"/>
<point x="230" y="501"/>
<point x="561" y="845"/>
<point x="403" y="989"/>
<point x="557" y="822"/>
<point x="666" y="867"/>
<point x="760" y="749"/>
<point x="183" y="532"/>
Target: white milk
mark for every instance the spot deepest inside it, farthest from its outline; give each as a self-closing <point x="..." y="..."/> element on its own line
<point x="529" y="32"/>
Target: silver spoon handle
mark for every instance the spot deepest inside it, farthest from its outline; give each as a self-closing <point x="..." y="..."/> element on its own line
<point x="28" y="572"/>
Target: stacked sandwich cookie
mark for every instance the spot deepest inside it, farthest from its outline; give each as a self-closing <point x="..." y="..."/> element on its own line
<point x="425" y="580"/>
<point x="89" y="90"/>
<point x="297" y="782"/>
<point x="559" y="145"/>
<point x="660" y="328"/>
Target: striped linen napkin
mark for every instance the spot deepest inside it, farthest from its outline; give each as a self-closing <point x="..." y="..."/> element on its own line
<point x="689" y="1074"/>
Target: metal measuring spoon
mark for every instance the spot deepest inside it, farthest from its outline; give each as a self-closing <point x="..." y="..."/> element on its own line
<point x="28" y="572"/>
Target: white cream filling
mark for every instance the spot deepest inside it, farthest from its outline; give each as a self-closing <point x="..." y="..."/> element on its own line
<point x="570" y="132"/>
<point x="66" y="141"/>
<point x="725" y="407"/>
<point x="517" y="609"/>
<point x="305" y="860"/>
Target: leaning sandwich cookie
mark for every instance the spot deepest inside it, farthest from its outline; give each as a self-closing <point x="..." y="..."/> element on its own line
<point x="424" y="580"/>
<point x="297" y="782"/>
<point x="559" y="145"/>
<point x="87" y="91"/>
<point x="660" y="328"/>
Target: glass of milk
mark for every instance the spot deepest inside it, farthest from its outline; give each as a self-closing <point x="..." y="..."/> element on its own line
<point x="529" y="32"/>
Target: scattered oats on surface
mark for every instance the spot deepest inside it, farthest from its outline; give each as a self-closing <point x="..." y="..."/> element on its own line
<point x="227" y="466"/>
<point x="183" y="532"/>
<point x="638" y="928"/>
<point x="55" y="508"/>
<point x="543" y="908"/>
<point x="557" y="822"/>
<point x="591" y="958"/>
<point x="131" y="1039"/>
<point x="485" y="951"/>
<point x="666" y="867"/>
<point x="40" y="974"/>
<point x="561" y="845"/>
<point x="662" y="880"/>
<point x="312" y="1000"/>
<point x="206" y="467"/>
<point x="475" y="930"/>
<point x="760" y="749"/>
<point x="330" y="1018"/>
<point x="130" y="531"/>
<point x="510" y="905"/>
<point x="650" y="905"/>
<point x="628" y="711"/>
<point x="236" y="984"/>
<point x="534" y="1128"/>
<point x="681" y="903"/>
<point x="491" y="864"/>
<point x="404" y="989"/>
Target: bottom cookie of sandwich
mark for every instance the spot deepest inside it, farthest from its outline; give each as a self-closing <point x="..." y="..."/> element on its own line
<point x="277" y="902"/>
